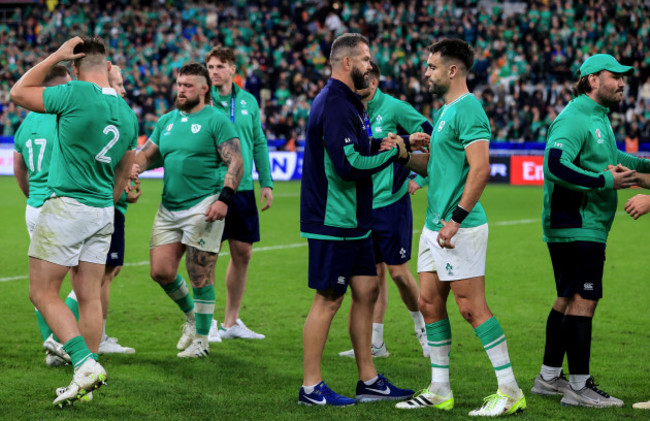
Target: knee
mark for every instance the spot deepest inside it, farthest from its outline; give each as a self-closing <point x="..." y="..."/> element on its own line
<point x="162" y="276"/>
<point x="471" y="312"/>
<point x="241" y="256"/>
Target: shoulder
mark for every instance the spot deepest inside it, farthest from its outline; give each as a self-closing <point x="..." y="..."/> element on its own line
<point x="247" y="97"/>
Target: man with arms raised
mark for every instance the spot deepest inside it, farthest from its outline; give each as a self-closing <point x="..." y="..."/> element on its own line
<point x="242" y="227"/>
<point x="88" y="172"/>
<point x="453" y="243"/>
<point x="335" y="216"/>
<point x="193" y="142"/>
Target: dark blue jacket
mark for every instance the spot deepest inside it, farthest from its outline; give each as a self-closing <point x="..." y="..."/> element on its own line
<point x="336" y="189"/>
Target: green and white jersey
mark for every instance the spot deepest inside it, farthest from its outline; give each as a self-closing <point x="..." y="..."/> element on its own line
<point x="244" y="110"/>
<point x="188" y="146"/>
<point x="95" y="129"/>
<point x="579" y="196"/>
<point x="458" y="125"/>
<point x="390" y="115"/>
<point x="35" y="140"/>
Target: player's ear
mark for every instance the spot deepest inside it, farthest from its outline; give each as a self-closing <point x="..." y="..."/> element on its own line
<point x="108" y="66"/>
<point x="75" y="71"/>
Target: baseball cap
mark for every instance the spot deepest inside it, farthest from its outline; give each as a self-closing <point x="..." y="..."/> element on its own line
<point x="599" y="62"/>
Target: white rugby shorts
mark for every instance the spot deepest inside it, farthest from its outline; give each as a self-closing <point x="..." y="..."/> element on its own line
<point x="188" y="227"/>
<point x="466" y="260"/>
<point x="67" y="232"/>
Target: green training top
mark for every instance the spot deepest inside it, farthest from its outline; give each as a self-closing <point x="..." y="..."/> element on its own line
<point x="579" y="197"/>
<point x="35" y="140"/>
<point x="254" y="146"/>
<point x="95" y="128"/>
<point x="390" y="115"/>
<point x="458" y="125"/>
<point x="188" y="146"/>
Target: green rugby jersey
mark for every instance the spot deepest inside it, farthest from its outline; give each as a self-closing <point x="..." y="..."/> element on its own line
<point x="95" y="129"/>
<point x="188" y="146"/>
<point x="579" y="196"/>
<point x="254" y="147"/>
<point x="35" y="140"/>
<point x="458" y="125"/>
<point x="390" y="115"/>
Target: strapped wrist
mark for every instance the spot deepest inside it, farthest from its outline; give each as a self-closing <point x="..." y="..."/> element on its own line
<point x="459" y="215"/>
<point x="226" y="195"/>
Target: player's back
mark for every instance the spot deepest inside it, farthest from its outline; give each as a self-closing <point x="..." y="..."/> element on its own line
<point x="95" y="128"/>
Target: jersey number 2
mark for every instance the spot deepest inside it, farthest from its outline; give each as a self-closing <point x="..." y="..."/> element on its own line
<point x="101" y="156"/>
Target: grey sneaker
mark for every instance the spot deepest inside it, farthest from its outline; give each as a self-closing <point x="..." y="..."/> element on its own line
<point x="555" y="386"/>
<point x="589" y="396"/>
<point x="377" y="352"/>
<point x="189" y="329"/>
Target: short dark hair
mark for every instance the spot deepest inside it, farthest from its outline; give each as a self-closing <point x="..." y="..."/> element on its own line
<point x="582" y="86"/>
<point x="56" y="72"/>
<point x="224" y="54"/>
<point x="91" y="46"/>
<point x="456" y="49"/>
<point x="197" y="69"/>
<point x="344" y="42"/>
<point x="374" y="72"/>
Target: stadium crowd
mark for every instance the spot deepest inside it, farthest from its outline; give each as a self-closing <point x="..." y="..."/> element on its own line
<point x="526" y="53"/>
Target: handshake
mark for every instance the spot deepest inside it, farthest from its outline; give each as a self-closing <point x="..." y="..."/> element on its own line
<point x="416" y="142"/>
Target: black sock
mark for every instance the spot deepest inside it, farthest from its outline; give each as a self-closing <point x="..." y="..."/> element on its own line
<point x="577" y="337"/>
<point x="555" y="346"/>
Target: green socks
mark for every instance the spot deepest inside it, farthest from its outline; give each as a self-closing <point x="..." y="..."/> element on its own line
<point x="71" y="302"/>
<point x="179" y="292"/>
<point x="78" y="351"/>
<point x="439" y="339"/>
<point x="494" y="343"/>
<point x="204" y="309"/>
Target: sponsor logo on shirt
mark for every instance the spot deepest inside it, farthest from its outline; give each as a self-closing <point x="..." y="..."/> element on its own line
<point x="588" y="286"/>
<point x="340" y="280"/>
<point x="196" y="128"/>
<point x="441" y="125"/>
<point x="377" y="129"/>
<point x="184" y="120"/>
<point x="348" y="140"/>
<point x="169" y="129"/>
<point x="244" y="112"/>
<point x="224" y="103"/>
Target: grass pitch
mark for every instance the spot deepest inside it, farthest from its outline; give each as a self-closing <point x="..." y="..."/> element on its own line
<point x="244" y="380"/>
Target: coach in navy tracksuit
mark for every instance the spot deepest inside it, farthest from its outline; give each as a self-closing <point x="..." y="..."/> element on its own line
<point x="336" y="216"/>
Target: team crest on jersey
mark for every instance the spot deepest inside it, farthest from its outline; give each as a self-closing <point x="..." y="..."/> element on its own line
<point x="379" y="118"/>
<point x="168" y="129"/>
<point x="600" y="139"/>
<point x="243" y="103"/>
<point x="196" y="128"/>
<point x="441" y="125"/>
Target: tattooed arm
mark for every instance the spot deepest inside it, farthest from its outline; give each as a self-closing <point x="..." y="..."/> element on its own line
<point x="230" y="153"/>
<point x="146" y="158"/>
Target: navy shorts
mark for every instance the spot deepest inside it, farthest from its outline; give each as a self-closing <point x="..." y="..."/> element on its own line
<point x="242" y="220"/>
<point x="333" y="263"/>
<point x="115" y="255"/>
<point x="392" y="232"/>
<point x="578" y="268"/>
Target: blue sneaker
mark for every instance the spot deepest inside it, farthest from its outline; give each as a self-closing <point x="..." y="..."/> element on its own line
<point x="381" y="389"/>
<point x="323" y="395"/>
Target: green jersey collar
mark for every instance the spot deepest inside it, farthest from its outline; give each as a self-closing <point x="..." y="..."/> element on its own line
<point x="590" y="104"/>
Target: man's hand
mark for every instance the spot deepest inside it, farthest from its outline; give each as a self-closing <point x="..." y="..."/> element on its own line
<point x="413" y="187"/>
<point x="387" y="144"/>
<point x="65" y="51"/>
<point x="638" y="205"/>
<point x="133" y="192"/>
<point x="623" y="177"/>
<point x="266" y="195"/>
<point x="420" y="141"/>
<point x="399" y="142"/>
<point x="135" y="172"/>
<point x="446" y="233"/>
<point x="216" y="212"/>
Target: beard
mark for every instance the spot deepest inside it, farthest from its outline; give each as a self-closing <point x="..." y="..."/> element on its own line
<point x="438" y="90"/>
<point x="188" y="104"/>
<point x="610" y="98"/>
<point x="359" y="79"/>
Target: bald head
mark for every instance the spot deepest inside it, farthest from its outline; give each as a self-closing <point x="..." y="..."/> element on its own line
<point x="116" y="81"/>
